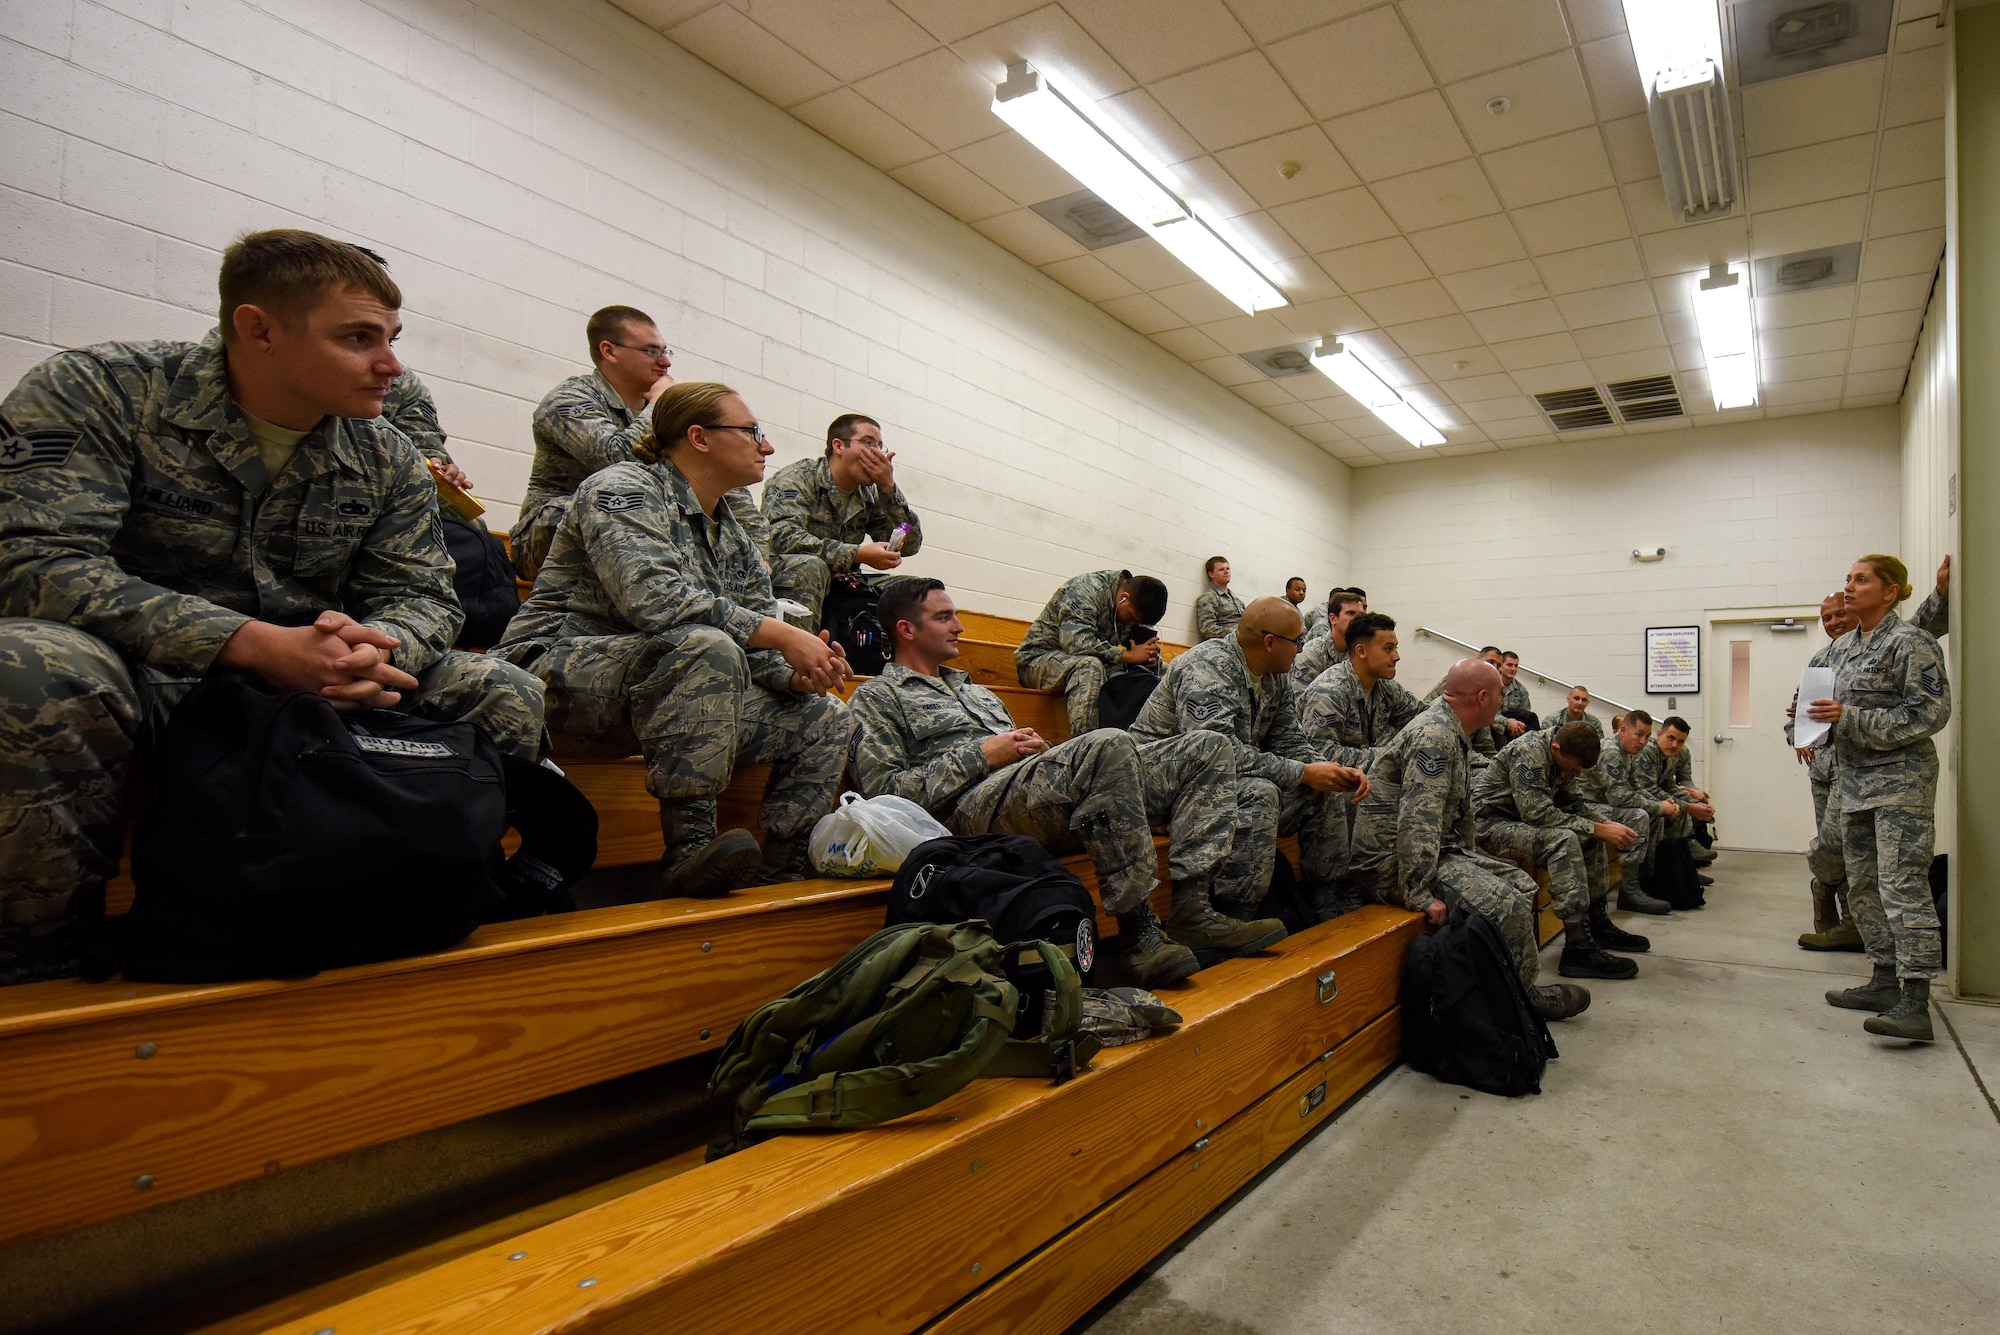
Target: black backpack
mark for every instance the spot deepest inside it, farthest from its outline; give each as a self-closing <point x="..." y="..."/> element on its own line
<point x="1674" y="877"/>
<point x="280" y="837"/>
<point x="848" y="616"/>
<point x="1125" y="693"/>
<point x="1287" y="900"/>
<point x="484" y="581"/>
<point x="1466" y="1018"/>
<point x="1013" y="883"/>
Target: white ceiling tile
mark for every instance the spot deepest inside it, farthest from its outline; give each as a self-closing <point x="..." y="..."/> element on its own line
<point x="1028" y="235"/>
<point x="1495" y="285"/>
<point x="1248" y="333"/>
<point x="1556" y="375"/>
<point x="1614" y="366"/>
<point x="1519" y="354"/>
<point x="1555" y="168"/>
<point x="1592" y="266"/>
<point x="1378" y="264"/>
<point x="1203" y="181"/>
<point x="1907" y="208"/>
<point x="1399" y="137"/>
<point x="1262" y="236"/>
<point x="1334" y="222"/>
<point x="1592" y="19"/>
<point x="1514" y="406"/>
<point x="1674" y="295"/>
<point x="1143" y="312"/>
<point x="1917" y="26"/>
<point x="1469" y="245"/>
<point x="1148" y="47"/>
<point x="1797" y="393"/>
<point x="1197" y="303"/>
<point x="1604" y="305"/>
<point x="1436" y="196"/>
<point x="1520" y="428"/>
<point x="1522" y="319"/>
<point x="864" y="129"/>
<point x="1268" y="20"/>
<point x="1090" y="278"/>
<point x="1232" y="101"/>
<point x="1615" y="84"/>
<point x="1467" y="37"/>
<point x="1798" y="308"/>
<point x="1916" y="87"/>
<point x="1806" y="366"/>
<point x="1679" y="325"/>
<point x="1468" y="363"/>
<point x="1140" y="114"/>
<point x="1321" y="169"/>
<point x="1646" y="205"/>
<point x="1626" y="336"/>
<point x="1407" y="302"/>
<point x="660" y="15"/>
<point x="865" y="36"/>
<point x="949" y="20"/>
<point x="1145" y="263"/>
<point x="1911" y="153"/>
<point x="1877" y="382"/>
<point x="1263" y="393"/>
<point x="1228" y="370"/>
<point x="939" y="92"/>
<point x="1891" y="328"/>
<point x="1696" y="246"/>
<point x="1318" y="319"/>
<point x="1894" y="294"/>
<point x="1471" y="389"/>
<point x="1302" y="280"/>
<point x="1353" y="63"/>
<point x="1294" y="414"/>
<point x="1881" y="357"/>
<point x="1049" y="38"/>
<point x="1630" y="143"/>
<point x="1546" y="96"/>
<point x="1189" y="344"/>
<point x="1810" y="174"/>
<point x="1832" y="103"/>
<point x="1443" y="334"/>
<point x="1831" y="222"/>
<point x="753" y="57"/>
<point x="952" y="186"/>
<point x="1798" y="340"/>
<point x="1570" y="224"/>
<point x="1893" y="256"/>
<point x="1017" y="169"/>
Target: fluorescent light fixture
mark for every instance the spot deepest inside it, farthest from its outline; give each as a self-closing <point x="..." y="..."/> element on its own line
<point x="1678" y="47"/>
<point x="1345" y="366"/>
<point x="1728" y="338"/>
<point x="1068" y="127"/>
<point x="1677" y="43"/>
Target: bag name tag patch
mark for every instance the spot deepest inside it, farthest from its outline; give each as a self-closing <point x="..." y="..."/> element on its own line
<point x="397" y="746"/>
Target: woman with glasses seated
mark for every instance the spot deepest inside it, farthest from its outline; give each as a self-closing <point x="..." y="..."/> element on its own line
<point x="652" y="625"/>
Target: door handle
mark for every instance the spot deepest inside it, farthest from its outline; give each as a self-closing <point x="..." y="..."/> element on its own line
<point x="1722" y="737"/>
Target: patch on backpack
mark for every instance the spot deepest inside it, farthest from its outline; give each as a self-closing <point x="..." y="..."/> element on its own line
<point x="618" y="502"/>
<point x="398" y="746"/>
<point x="1428" y="765"/>
<point x="46" y="448"/>
<point x="1086" y="944"/>
<point x="1932" y="680"/>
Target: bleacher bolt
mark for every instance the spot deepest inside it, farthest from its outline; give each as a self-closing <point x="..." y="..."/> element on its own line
<point x="145" y="1050"/>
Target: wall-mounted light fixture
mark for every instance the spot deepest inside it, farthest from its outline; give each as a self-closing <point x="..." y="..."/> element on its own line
<point x="1648" y="555"/>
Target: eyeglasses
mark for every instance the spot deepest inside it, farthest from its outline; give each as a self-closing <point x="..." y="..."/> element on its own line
<point x="653" y="350"/>
<point x="1299" y="641"/>
<point x="756" y="432"/>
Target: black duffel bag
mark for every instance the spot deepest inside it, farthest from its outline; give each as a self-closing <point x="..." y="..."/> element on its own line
<point x="1466" y="1018"/>
<point x="484" y="581"/>
<point x="281" y="837"/>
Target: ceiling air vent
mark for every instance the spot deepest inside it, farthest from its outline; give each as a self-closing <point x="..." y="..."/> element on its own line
<point x="1089" y="221"/>
<point x="1649" y="399"/>
<point x="1279" y="363"/>
<point x="1779" y="37"/>
<point x="1575" y="409"/>
<point x="1803" y="270"/>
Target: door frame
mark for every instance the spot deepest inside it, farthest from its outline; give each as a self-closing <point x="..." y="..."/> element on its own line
<point x="1715" y="712"/>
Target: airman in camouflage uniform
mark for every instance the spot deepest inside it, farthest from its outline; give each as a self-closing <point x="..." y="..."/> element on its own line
<point x="1074" y="644"/>
<point x="1351" y="723"/>
<point x="581" y="426"/>
<point x="1528" y="809"/>
<point x="140" y="529"/>
<point x="408" y="407"/>
<point x="640" y="625"/>
<point x="1487" y="741"/>
<point x="1659" y="777"/>
<point x="1216" y="612"/>
<point x="817" y="530"/>
<point x="1516" y="697"/>
<point x="1609" y="795"/>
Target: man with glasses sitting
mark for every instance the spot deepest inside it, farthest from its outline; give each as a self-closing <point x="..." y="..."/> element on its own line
<point x="1239" y="685"/>
<point x="653" y="625"/>
<point x="831" y="514"/>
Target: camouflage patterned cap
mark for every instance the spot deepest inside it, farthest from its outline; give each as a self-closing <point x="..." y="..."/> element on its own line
<point x="1119" y="1015"/>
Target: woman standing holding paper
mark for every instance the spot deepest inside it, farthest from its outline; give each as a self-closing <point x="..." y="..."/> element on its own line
<point x="1890" y="696"/>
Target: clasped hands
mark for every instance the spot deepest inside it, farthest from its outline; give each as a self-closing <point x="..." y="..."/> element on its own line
<point x="336" y="658"/>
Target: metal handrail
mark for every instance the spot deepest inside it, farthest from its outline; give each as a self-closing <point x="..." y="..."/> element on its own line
<point x="1567" y="686"/>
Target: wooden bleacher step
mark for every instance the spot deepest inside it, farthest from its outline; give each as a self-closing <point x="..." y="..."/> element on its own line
<point x="887" y="1229"/>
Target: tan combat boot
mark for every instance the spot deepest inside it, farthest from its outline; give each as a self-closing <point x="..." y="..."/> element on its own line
<point x="1153" y="960"/>
<point x="1198" y="927"/>
<point x="699" y="862"/>
<point x="1832" y="929"/>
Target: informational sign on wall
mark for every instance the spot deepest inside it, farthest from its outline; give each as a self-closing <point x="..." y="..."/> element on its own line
<point x="1673" y="660"/>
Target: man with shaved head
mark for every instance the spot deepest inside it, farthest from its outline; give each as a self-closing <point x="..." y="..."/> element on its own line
<point x="1239" y="686"/>
<point x="1414" y="842"/>
<point x="1486" y="742"/>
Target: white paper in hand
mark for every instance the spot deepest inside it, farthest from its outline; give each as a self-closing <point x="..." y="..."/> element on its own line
<point x="1815" y="683"/>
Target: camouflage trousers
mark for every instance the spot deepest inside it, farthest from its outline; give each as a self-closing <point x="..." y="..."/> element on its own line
<point x="1263" y="816"/>
<point x="686" y="699"/>
<point x="73" y="715"/>
<point x="1080" y="679"/>
<point x="1887" y="855"/>
<point x="1826" y="855"/>
<point x="803" y="578"/>
<point x="1502" y="894"/>
<point x="528" y="543"/>
<point x="1640" y="822"/>
<point x="1103" y="793"/>
<point x="1579" y="869"/>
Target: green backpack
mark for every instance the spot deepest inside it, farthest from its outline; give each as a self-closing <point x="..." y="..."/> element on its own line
<point x="910" y="1016"/>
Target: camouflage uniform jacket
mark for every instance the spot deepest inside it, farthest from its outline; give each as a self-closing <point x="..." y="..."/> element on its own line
<point x="1894" y="696"/>
<point x="1418" y="808"/>
<point x="1210" y="687"/>
<point x="1589" y="720"/>
<point x="1515" y="696"/>
<point x="1318" y="656"/>
<point x="1658" y="779"/>
<point x="1615" y="785"/>
<point x="134" y="506"/>
<point x="1314" y="615"/>
<point x="581" y="426"/>
<point x="1081" y="620"/>
<point x="408" y="408"/>
<point x="1349" y="724"/>
<point x="1523" y="784"/>
<point x="1820" y="769"/>
<point x="809" y="515"/>
<point x="636" y="553"/>
<point x="1933" y="615"/>
<point x="1216" y="613"/>
<point x="920" y="736"/>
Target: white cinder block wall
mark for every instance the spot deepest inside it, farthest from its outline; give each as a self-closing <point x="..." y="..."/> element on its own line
<point x="1532" y="548"/>
<point x="523" y="162"/>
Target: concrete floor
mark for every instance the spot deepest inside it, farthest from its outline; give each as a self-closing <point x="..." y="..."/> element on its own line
<point x="1717" y="1150"/>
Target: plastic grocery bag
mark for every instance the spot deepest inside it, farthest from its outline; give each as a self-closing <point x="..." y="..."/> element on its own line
<point x="869" y="836"/>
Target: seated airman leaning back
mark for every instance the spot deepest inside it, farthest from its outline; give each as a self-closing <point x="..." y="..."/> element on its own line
<point x="1074" y="643"/>
<point x="1239" y="686"/>
<point x="167" y="508"/>
<point x="1414" y="841"/>
<point x="1217" y="610"/>
<point x="1609" y="793"/>
<point x="653" y="620"/>
<point x="929" y="733"/>
<point x="830" y="515"/>
<point x="1330" y="649"/>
